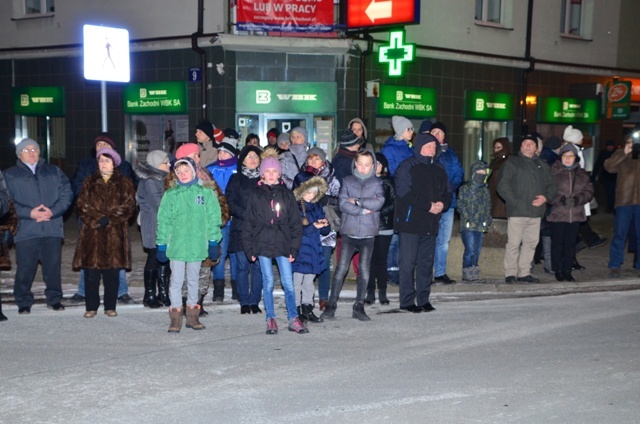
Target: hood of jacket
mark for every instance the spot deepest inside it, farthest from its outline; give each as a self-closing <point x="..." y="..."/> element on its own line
<point x="314" y="182"/>
<point x="419" y="141"/>
<point x="146" y="171"/>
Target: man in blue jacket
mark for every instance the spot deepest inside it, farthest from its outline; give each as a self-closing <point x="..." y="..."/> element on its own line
<point x="455" y="173"/>
<point x="42" y="194"/>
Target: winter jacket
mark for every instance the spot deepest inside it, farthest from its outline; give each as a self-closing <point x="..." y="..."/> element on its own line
<point x="239" y="190"/>
<point x="50" y="187"/>
<point x="88" y="166"/>
<point x="148" y="196"/>
<point x="4" y="196"/>
<point x="574" y="183"/>
<point x="370" y="194"/>
<point x="105" y="247"/>
<point x="326" y="172"/>
<point x="454" y="170"/>
<point x="521" y="180"/>
<point x="420" y="180"/>
<point x="272" y="225"/>
<point x="386" y="213"/>
<point x="396" y="151"/>
<point x="628" y="181"/>
<point x="498" y="207"/>
<point x="310" y="259"/>
<point x="474" y="203"/>
<point x="221" y="171"/>
<point x="343" y="163"/>
<point x="188" y="218"/>
<point x="292" y="161"/>
<point x="208" y="153"/>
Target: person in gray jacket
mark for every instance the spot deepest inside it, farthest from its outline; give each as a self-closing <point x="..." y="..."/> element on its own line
<point x="41" y="193"/>
<point x="361" y="198"/>
<point x="526" y="185"/>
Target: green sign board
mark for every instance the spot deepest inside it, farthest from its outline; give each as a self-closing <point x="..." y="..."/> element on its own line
<point x="407" y="101"/>
<point x="489" y="106"/>
<point x="155" y="98"/>
<point x="38" y="101"/>
<point x="286" y="97"/>
<point x="560" y="110"/>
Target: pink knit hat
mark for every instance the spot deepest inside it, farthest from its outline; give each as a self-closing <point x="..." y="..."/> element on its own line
<point x="186" y="149"/>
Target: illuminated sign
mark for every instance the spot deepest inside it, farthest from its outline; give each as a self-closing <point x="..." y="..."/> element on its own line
<point x="560" y="110"/>
<point x="396" y="53"/>
<point x="106" y="54"/>
<point x="489" y="106"/>
<point x="286" y="97"/>
<point x="155" y="98"/>
<point x="407" y="101"/>
<point x="38" y="101"/>
<point x="378" y="13"/>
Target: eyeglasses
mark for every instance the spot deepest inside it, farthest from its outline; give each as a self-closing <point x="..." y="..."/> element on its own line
<point x="437" y="131"/>
<point x="30" y="150"/>
<point x="252" y="156"/>
<point x="410" y="129"/>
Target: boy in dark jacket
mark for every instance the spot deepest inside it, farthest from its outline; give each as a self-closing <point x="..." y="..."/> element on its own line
<point x="474" y="206"/>
<point x="273" y="230"/>
<point x="422" y="190"/>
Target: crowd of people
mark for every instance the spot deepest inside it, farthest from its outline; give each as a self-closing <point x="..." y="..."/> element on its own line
<point x="388" y="214"/>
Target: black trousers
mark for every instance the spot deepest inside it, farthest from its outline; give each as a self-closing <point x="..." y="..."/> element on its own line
<point x="416" y="260"/>
<point x="378" y="271"/>
<point x="92" y="288"/>
<point x="563" y="245"/>
<point x="47" y="251"/>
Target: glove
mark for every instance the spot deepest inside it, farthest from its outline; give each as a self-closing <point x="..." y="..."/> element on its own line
<point x="7" y="238"/>
<point x="570" y="202"/>
<point x="562" y="201"/>
<point x="214" y="252"/>
<point x="103" y="222"/>
<point x="161" y="254"/>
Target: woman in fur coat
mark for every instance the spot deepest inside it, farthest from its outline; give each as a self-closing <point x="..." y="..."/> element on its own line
<point x="105" y="204"/>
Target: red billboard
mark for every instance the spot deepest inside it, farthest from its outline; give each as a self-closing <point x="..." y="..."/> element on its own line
<point x="376" y="13"/>
<point x="285" y="15"/>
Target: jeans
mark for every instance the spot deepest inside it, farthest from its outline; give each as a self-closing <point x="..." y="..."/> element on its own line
<point x="123" y="288"/>
<point x="324" y="278"/>
<point x="218" y="270"/>
<point x="48" y="251"/>
<point x="349" y="247"/>
<point x="392" y="258"/>
<point x="442" y="242"/>
<point x="625" y="215"/>
<point x="416" y="259"/>
<point x="248" y="280"/>
<point x="286" y="279"/>
<point x="472" y="241"/>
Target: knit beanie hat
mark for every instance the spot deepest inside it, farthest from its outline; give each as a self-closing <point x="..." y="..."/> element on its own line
<point x="273" y="132"/>
<point x="400" y="124"/>
<point x="572" y="135"/>
<point x="156" y="158"/>
<point x="107" y="139"/>
<point x="231" y="133"/>
<point x="228" y="147"/>
<point x="270" y="161"/>
<point x="186" y="149"/>
<point x="218" y="135"/>
<point x="25" y="142"/>
<point x="207" y="128"/>
<point x="317" y="151"/>
<point x="552" y="142"/>
<point x="422" y="139"/>
<point x="425" y="126"/>
<point x="189" y="162"/>
<point x="439" y="126"/>
<point x="348" y="138"/>
<point x="569" y="147"/>
<point x="283" y="138"/>
<point x="245" y="151"/>
<point x="382" y="160"/>
<point x="114" y="155"/>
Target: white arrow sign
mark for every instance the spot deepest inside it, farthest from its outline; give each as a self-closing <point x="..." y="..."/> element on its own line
<point x="379" y="10"/>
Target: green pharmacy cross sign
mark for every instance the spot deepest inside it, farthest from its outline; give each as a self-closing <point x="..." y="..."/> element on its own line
<point x="396" y="52"/>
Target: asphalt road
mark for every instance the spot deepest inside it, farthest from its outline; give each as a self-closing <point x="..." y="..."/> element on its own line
<point x="559" y="359"/>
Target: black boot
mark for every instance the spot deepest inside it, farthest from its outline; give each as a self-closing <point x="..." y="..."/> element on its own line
<point x="576" y="265"/>
<point x="359" y="313"/>
<point x="184" y="306"/>
<point x="2" y="317"/>
<point x="560" y="276"/>
<point x="307" y="310"/>
<point x="382" y="296"/>
<point x="370" y="299"/>
<point x="303" y="317"/>
<point x="149" y="300"/>
<point x="164" y="276"/>
<point x="203" y="313"/>
<point x="218" y="291"/>
<point x="329" y="310"/>
<point x="234" y="290"/>
<point x="568" y="276"/>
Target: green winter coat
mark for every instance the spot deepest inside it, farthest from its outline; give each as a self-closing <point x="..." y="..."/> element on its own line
<point x="188" y="218"/>
<point x="474" y="203"/>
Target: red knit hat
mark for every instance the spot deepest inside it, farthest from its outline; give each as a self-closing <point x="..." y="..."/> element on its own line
<point x="218" y="134"/>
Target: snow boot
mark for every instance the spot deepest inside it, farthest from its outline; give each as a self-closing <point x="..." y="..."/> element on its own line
<point x="467" y="274"/>
<point x="382" y="296"/>
<point x="193" y="312"/>
<point x="218" y="291"/>
<point x="150" y="300"/>
<point x="329" y="310"/>
<point x="176" y="320"/>
<point x="234" y="290"/>
<point x="301" y="314"/>
<point x="358" y="312"/>
<point x="307" y="311"/>
<point x="475" y="271"/>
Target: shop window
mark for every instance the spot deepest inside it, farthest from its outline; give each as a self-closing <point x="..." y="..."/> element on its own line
<point x="495" y="13"/>
<point x="576" y="18"/>
<point x="26" y="9"/>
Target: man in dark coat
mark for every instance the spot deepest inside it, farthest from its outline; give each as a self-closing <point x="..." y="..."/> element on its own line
<point x="87" y="167"/>
<point x="419" y="206"/>
<point x="42" y="194"/>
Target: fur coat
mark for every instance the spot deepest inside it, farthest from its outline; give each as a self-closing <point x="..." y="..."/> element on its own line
<point x="105" y="247"/>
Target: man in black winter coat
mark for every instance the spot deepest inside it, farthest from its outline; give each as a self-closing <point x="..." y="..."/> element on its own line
<point x="422" y="190"/>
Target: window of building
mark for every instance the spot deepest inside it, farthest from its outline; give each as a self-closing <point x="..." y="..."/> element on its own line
<point x="576" y="17"/>
<point x="494" y="13"/>
<point x="25" y="9"/>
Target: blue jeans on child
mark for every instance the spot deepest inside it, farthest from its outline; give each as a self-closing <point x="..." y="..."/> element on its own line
<point x="324" y="278"/>
<point x="472" y="241"/>
<point x="286" y="279"/>
<point x="442" y="243"/>
<point x="249" y="292"/>
<point x="123" y="288"/>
